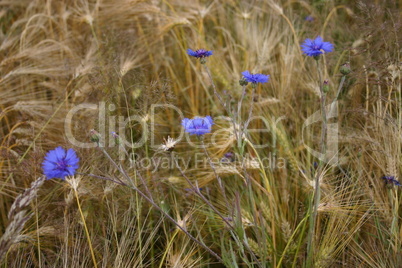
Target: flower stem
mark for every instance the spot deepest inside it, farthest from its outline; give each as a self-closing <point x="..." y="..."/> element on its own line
<point x="86" y="229"/>
<point x="317" y="190"/>
<point x="216" y="174"/>
<point x="241" y="101"/>
<point x="213" y="86"/>
<point x="250" y="111"/>
<point x="102" y="178"/>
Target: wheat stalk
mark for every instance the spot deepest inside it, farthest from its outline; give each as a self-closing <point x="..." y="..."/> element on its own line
<point x="18" y="216"/>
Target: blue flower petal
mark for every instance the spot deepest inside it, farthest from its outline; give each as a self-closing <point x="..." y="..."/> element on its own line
<point x="191" y="53"/>
<point x="59" y="153"/>
<point x="246" y="73"/>
<point x="209" y="118"/>
<point x="185" y="122"/>
<point x="327" y="47"/>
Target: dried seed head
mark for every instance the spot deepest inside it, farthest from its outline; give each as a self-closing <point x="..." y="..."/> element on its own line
<point x="168" y="144"/>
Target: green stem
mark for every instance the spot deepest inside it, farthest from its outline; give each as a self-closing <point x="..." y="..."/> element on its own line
<point x="240" y="132"/>
<point x="317" y="190"/>
<point x="222" y="102"/>
<point x="213" y="85"/>
<point x="290" y="241"/>
<point x="161" y="264"/>
<point x="222" y="188"/>
<point x="340" y="87"/>
<point x="86" y="229"/>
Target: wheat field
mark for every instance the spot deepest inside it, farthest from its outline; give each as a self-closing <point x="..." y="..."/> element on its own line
<point x="300" y="171"/>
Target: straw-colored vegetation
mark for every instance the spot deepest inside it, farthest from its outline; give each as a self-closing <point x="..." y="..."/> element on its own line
<point x="125" y="56"/>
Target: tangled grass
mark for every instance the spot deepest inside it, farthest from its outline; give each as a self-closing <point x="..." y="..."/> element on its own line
<point x="125" y="62"/>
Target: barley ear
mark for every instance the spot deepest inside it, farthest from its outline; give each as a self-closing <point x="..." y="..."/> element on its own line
<point x="18" y="216"/>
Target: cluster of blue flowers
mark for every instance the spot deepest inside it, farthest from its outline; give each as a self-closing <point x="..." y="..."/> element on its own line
<point x="202" y="125"/>
<point x="60" y="163"/>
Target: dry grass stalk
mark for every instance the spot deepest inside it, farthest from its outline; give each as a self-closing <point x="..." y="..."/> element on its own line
<point x="18" y="216"/>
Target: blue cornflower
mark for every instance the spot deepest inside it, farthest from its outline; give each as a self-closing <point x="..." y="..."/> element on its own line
<point x="60" y="163"/>
<point x="200" y="53"/>
<point x="313" y="48"/>
<point x="198" y="125"/>
<point x="309" y="18"/>
<point x="255" y="78"/>
<point x="392" y="180"/>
